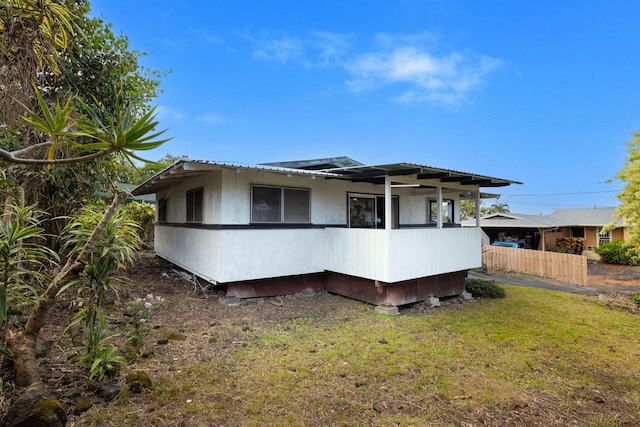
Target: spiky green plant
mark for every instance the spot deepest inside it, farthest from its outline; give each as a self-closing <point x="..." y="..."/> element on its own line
<point x="23" y="259"/>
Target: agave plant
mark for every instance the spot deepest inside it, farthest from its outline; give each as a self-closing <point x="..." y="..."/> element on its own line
<point x="89" y="130"/>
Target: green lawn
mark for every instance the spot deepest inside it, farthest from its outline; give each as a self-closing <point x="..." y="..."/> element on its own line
<point x="535" y="357"/>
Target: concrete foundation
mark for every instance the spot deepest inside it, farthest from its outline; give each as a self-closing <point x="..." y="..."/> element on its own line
<point x="230" y="301"/>
<point x="277" y="286"/>
<point x="385" y="309"/>
<point x="373" y="292"/>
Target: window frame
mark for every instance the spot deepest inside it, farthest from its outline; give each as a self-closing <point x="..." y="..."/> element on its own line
<point x="162" y="209"/>
<point x="282" y="204"/>
<point x="434" y="214"/>
<point x="194" y="204"/>
<point x="604" y="238"/>
<point x="572" y="234"/>
<point x="377" y="220"/>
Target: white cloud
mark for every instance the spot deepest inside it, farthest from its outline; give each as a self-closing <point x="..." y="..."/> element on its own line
<point x="328" y="48"/>
<point x="319" y="49"/>
<point x="169" y="114"/>
<point x="412" y="64"/>
<point x="280" y="49"/>
<point x="210" y="119"/>
<point x="409" y="63"/>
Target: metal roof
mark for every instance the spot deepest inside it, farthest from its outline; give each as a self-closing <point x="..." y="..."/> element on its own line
<point x="185" y="169"/>
<point x="577" y="217"/>
<point x="418" y="174"/>
<point x="318" y="164"/>
<point x="401" y="173"/>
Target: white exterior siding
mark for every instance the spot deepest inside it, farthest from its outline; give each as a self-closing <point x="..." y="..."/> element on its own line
<point x="413" y="208"/>
<point x="398" y="255"/>
<point x="385" y="255"/>
<point x="189" y="248"/>
<point x="218" y="252"/>
<point x="235" y="255"/>
<point x="227" y="198"/>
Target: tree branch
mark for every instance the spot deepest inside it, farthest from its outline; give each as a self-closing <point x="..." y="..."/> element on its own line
<point x="32" y="148"/>
<point x="10" y="156"/>
<point x="37" y="317"/>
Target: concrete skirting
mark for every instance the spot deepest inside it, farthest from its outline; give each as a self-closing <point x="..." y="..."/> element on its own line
<point x="370" y="291"/>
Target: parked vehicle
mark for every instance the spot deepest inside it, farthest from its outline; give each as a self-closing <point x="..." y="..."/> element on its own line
<point x="509" y="244"/>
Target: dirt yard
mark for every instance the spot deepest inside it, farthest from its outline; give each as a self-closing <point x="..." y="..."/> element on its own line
<point x="612" y="278"/>
<point x="152" y="275"/>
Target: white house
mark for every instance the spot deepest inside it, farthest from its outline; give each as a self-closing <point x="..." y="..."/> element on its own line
<point x="386" y="234"/>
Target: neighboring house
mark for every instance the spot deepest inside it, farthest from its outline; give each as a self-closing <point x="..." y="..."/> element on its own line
<point x="542" y="231"/>
<point x="141" y="198"/>
<point x="386" y="234"/>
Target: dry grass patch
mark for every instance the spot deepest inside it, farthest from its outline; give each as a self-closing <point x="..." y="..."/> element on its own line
<point x="533" y="358"/>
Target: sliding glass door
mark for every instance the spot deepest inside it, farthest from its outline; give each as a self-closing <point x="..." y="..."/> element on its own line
<point x="367" y="211"/>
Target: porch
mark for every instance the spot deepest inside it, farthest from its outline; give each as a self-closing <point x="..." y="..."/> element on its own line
<point x="352" y="262"/>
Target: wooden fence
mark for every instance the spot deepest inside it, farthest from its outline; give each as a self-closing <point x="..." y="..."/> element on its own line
<point x="551" y="265"/>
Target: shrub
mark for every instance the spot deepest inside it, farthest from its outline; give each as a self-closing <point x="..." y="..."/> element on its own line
<point x="484" y="288"/>
<point x="618" y="252"/>
<point x="569" y="245"/>
<point x="142" y="214"/>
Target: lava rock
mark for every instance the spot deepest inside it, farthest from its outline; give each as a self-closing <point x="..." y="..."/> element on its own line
<point x="138" y="381"/>
<point x="109" y="392"/>
<point x="36" y="408"/>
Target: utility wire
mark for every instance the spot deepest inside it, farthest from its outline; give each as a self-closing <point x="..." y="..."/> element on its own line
<point x="564" y="194"/>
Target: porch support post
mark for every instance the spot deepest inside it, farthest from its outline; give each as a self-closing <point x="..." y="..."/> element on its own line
<point x="439" y="209"/>
<point x="543" y="239"/>
<point x="478" y="208"/>
<point x="387" y="203"/>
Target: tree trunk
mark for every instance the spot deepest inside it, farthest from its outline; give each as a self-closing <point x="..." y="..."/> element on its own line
<point x="23" y="347"/>
<point x="23" y="344"/>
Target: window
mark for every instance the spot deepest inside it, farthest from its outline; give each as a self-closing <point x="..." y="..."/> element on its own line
<point x="362" y="211"/>
<point x="367" y="211"/>
<point x="162" y="209"/>
<point x="296" y="205"/>
<point x="278" y="205"/>
<point x="447" y="211"/>
<point x="577" y="232"/>
<point x="194" y="205"/>
<point x="603" y="237"/>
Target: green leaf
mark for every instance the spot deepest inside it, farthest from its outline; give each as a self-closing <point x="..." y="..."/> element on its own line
<point x="6" y="352"/>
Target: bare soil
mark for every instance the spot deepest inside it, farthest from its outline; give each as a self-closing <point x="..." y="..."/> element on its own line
<point x="616" y="284"/>
<point x="611" y="277"/>
<point x="228" y="326"/>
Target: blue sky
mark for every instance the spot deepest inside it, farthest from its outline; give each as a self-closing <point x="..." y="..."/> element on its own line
<point x="542" y="92"/>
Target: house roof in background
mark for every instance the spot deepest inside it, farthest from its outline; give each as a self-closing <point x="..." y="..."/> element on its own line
<point x="142" y="198"/>
<point x="585" y="217"/>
